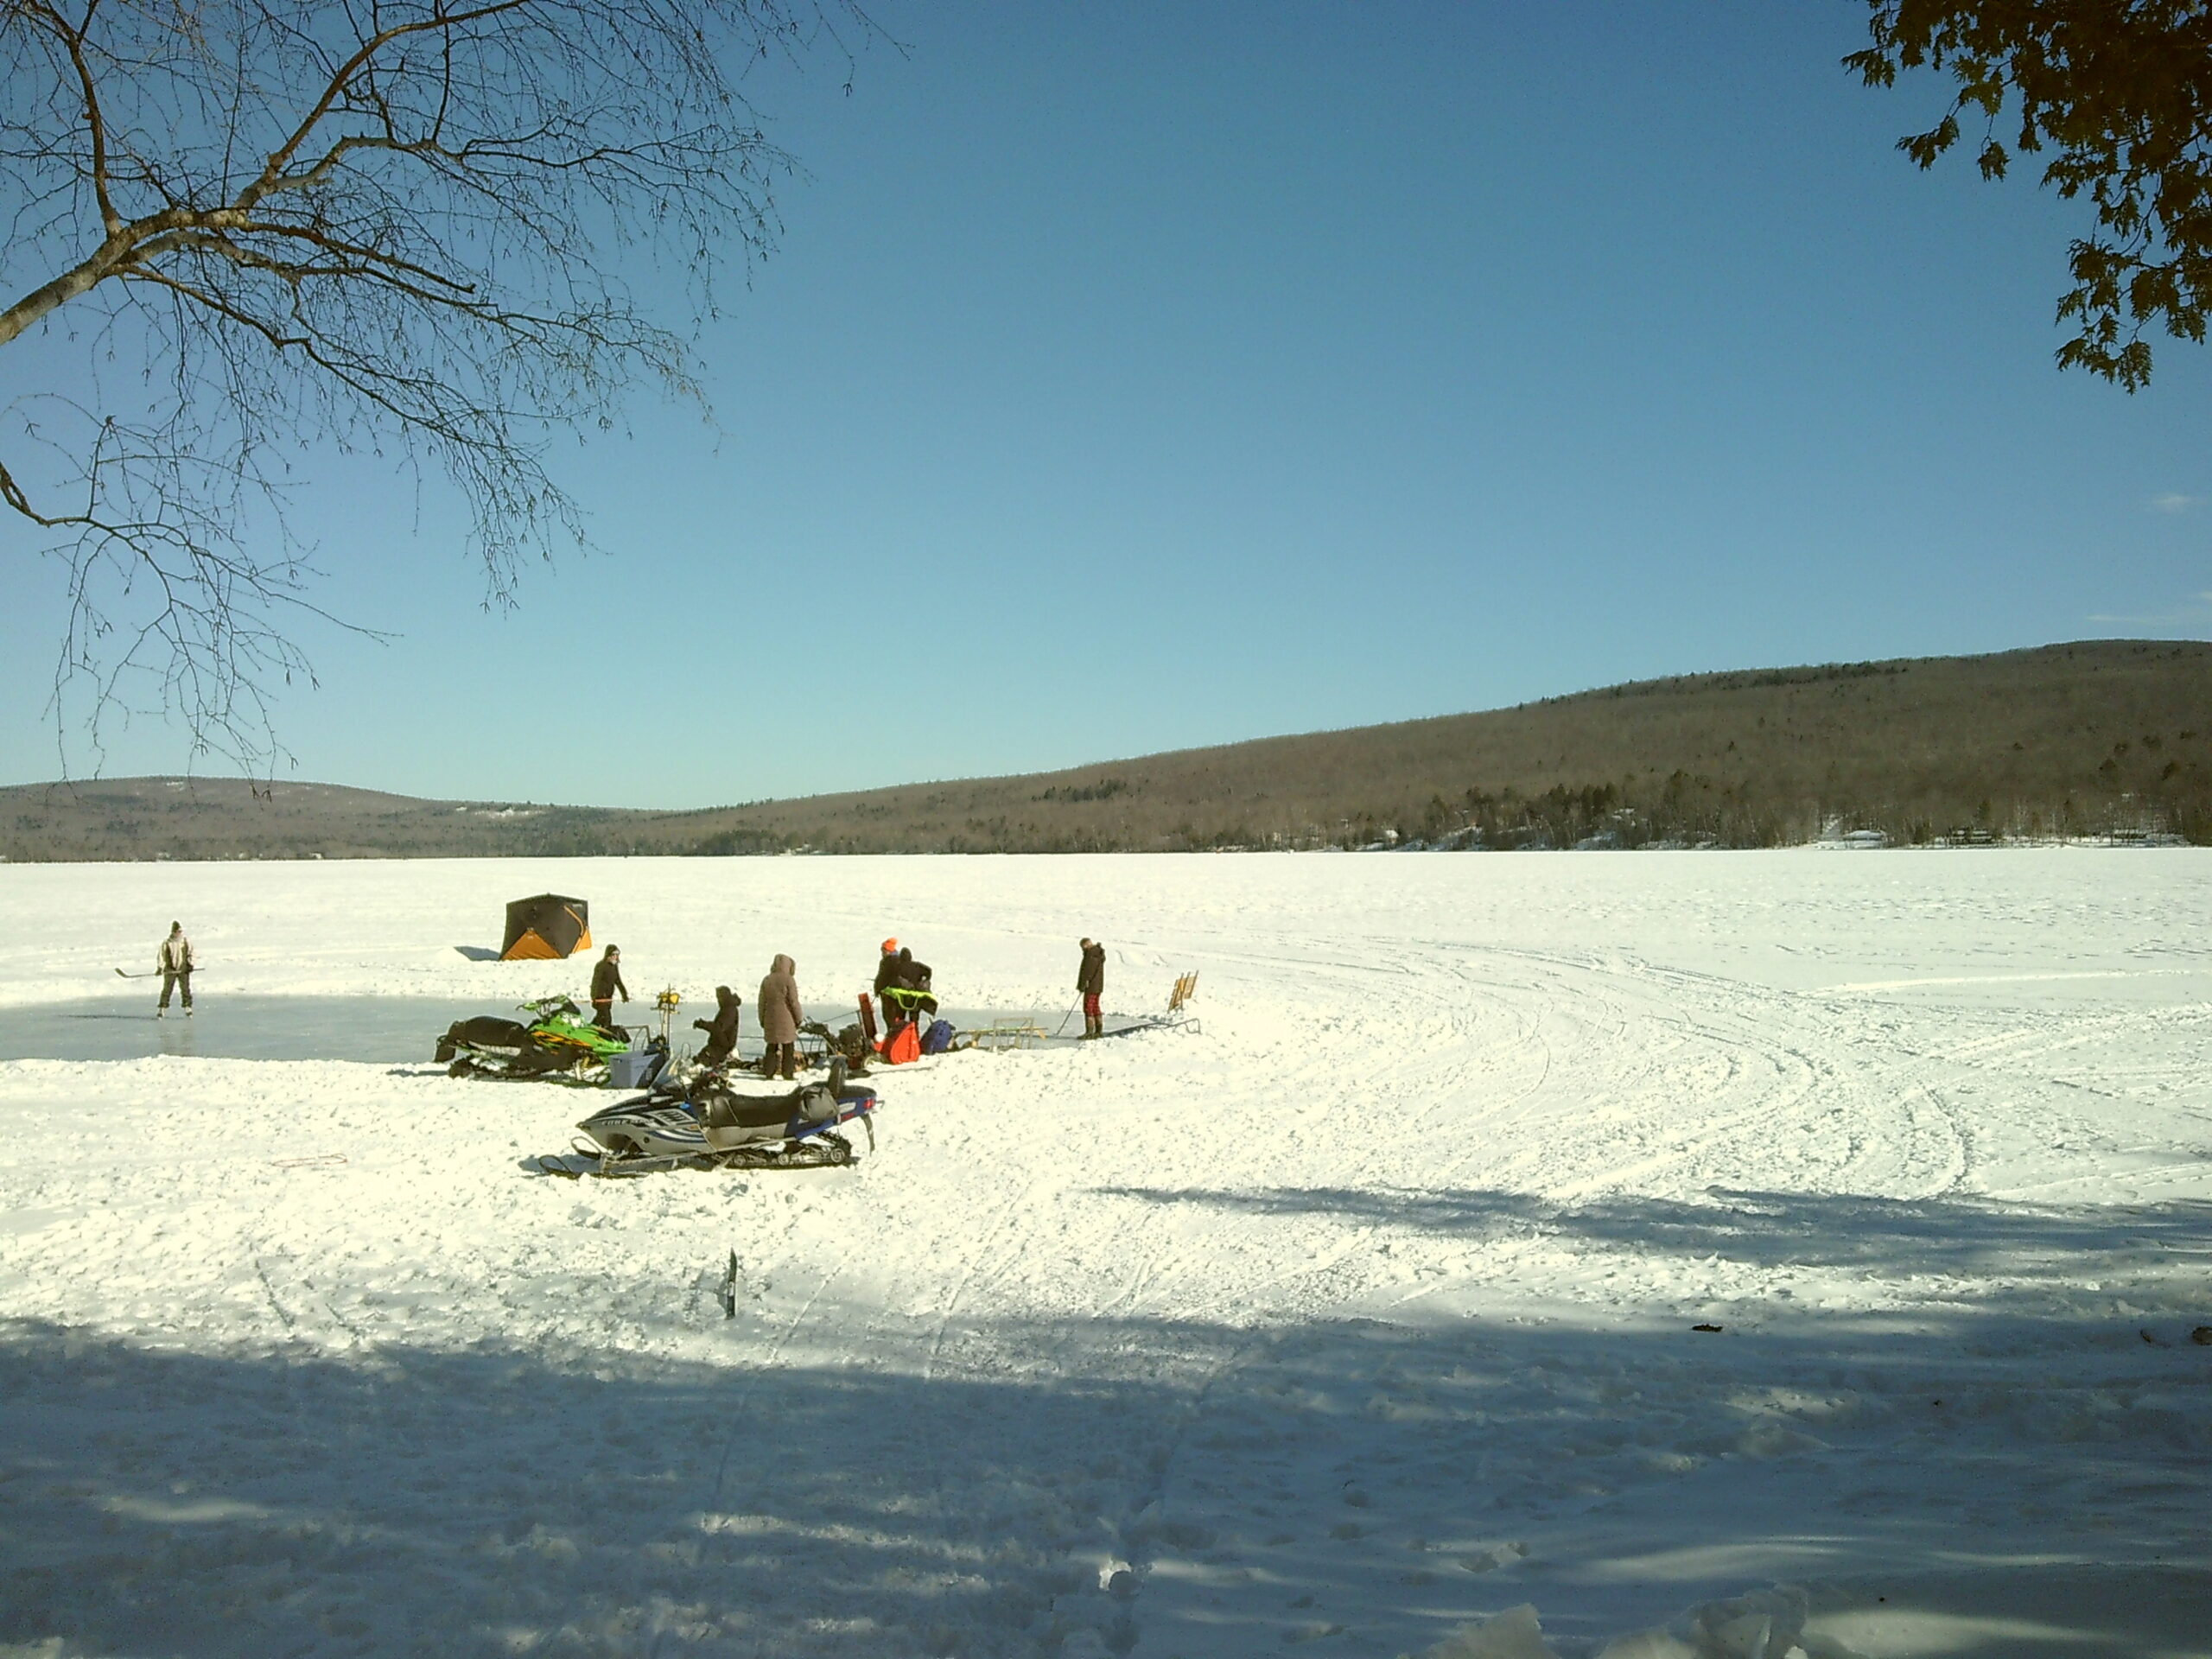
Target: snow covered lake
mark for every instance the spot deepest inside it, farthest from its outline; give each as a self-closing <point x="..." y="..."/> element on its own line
<point x="1365" y="1321"/>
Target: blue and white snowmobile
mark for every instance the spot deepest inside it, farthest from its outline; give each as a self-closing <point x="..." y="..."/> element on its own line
<point x="706" y="1124"/>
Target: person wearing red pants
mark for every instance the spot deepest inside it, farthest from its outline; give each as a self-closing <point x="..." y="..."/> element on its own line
<point x="1090" y="980"/>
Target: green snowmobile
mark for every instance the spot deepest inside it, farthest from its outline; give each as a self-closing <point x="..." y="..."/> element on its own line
<point x="559" y="1045"/>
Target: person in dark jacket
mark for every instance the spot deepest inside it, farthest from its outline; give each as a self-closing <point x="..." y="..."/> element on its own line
<point x="914" y="979"/>
<point x="887" y="975"/>
<point x="721" y="1030"/>
<point x="606" y="981"/>
<point x="780" y="1018"/>
<point x="1090" y="980"/>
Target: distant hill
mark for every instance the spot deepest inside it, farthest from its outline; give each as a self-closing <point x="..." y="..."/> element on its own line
<point x="2089" y="738"/>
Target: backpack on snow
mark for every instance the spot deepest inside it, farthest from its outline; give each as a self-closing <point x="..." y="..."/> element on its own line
<point x="938" y="1038"/>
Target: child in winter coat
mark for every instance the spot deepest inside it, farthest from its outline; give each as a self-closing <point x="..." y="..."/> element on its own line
<point x="721" y="1030"/>
<point x="1091" y="981"/>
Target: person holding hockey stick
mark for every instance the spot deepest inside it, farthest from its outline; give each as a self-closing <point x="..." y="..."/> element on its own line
<point x="175" y="966"/>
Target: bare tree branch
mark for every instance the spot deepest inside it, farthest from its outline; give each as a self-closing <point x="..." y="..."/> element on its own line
<point x="403" y="225"/>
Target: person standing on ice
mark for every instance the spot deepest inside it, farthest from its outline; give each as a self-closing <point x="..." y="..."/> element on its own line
<point x="175" y="966"/>
<point x="605" y="980"/>
<point x="914" y="981"/>
<point x="887" y="975"/>
<point x="721" y="1030"/>
<point x="780" y="1018"/>
<point x="1090" y="980"/>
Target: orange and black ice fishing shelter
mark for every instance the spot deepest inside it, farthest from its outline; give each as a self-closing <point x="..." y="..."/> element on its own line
<point x="545" y="927"/>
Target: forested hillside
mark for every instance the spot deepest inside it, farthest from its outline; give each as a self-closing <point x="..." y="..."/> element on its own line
<point x="2083" y="739"/>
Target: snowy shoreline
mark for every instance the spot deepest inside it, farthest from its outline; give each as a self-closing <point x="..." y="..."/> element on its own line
<point x="1364" y="1317"/>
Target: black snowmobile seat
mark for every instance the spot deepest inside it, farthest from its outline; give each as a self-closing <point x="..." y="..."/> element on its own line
<point x="729" y="1111"/>
<point x="810" y="1103"/>
<point x="484" y="1030"/>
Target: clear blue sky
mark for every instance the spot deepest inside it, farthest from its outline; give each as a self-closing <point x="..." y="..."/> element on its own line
<point x="1134" y="376"/>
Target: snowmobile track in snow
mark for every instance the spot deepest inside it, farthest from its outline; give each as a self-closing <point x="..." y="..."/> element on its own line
<point x="1369" y="1311"/>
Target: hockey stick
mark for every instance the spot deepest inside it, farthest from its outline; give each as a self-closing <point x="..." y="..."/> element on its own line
<point x="154" y="973"/>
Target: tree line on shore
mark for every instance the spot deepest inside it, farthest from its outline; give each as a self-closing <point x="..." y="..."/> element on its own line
<point x="2107" y="738"/>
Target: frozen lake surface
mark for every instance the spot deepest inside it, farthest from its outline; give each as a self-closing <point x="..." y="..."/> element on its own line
<point x="392" y="1029"/>
<point x="1649" y="1255"/>
<point x="244" y="1027"/>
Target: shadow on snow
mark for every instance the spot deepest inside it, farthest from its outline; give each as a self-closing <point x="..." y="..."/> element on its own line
<point x="1366" y="1486"/>
<point x="1896" y="1237"/>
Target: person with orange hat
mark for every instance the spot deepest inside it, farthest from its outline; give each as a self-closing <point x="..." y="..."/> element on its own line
<point x="887" y="973"/>
<point x="902" y="986"/>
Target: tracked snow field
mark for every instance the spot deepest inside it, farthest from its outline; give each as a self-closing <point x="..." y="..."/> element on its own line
<point x="1369" y="1319"/>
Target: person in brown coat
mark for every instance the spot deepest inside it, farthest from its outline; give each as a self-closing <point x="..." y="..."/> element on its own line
<point x="1091" y="981"/>
<point x="780" y="1018"/>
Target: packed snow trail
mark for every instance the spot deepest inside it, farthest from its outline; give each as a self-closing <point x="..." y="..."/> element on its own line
<point x="1363" y="1316"/>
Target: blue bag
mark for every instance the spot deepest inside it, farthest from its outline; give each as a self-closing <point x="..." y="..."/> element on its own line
<point x="938" y="1038"/>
